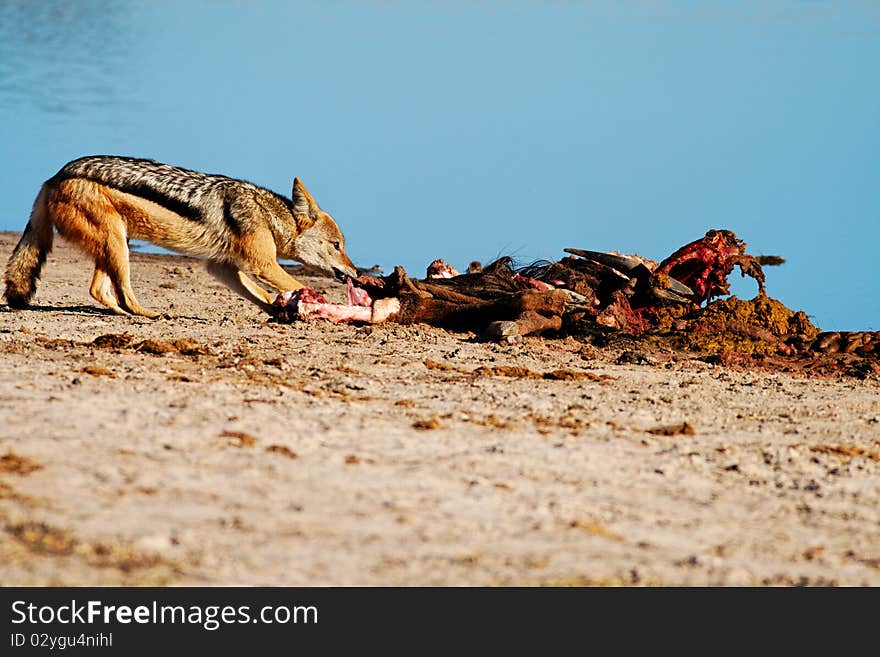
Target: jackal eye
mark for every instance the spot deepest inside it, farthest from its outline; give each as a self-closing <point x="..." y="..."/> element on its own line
<point x="337" y="246"/>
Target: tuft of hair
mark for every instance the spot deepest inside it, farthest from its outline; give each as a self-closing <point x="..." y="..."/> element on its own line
<point x="26" y="261"/>
<point x="770" y="261"/>
<point x="535" y="269"/>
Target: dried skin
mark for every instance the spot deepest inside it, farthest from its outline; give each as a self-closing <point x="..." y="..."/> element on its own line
<point x="863" y="343"/>
<point x="239" y="438"/>
<point x="519" y="372"/>
<point x="283" y="450"/>
<point x="847" y="451"/>
<point x="12" y="463"/>
<point x="683" y="429"/>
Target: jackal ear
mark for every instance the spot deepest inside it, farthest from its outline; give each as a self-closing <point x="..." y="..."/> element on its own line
<point x="302" y="200"/>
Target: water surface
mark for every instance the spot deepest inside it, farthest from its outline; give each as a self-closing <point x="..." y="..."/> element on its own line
<point x="467" y="130"/>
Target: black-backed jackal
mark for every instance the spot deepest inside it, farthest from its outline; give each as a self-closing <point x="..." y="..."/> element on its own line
<point x="100" y="202"/>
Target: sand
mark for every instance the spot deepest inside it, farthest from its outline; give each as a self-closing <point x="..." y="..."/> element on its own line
<point x="255" y="453"/>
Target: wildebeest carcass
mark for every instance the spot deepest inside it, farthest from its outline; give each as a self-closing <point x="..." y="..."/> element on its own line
<point x="613" y="291"/>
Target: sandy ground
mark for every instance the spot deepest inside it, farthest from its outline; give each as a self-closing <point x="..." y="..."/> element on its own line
<point x="258" y="453"/>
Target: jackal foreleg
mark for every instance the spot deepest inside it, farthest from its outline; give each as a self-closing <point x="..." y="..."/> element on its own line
<point x="259" y="255"/>
<point x="239" y="282"/>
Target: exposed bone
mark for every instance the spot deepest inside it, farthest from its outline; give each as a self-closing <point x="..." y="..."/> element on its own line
<point x="620" y="261"/>
<point x="306" y="303"/>
<point x="439" y="269"/>
<point x="336" y="313"/>
<point x="385" y="309"/>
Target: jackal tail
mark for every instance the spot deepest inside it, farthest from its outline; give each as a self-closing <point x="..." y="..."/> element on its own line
<point x="23" y="268"/>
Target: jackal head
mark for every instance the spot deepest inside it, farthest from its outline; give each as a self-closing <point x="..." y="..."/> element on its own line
<point x="320" y="242"/>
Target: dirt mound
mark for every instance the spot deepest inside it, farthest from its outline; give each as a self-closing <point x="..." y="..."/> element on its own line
<point x="763" y="333"/>
<point x="761" y="325"/>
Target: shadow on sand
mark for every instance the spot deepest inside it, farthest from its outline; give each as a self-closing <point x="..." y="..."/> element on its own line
<point x="77" y="310"/>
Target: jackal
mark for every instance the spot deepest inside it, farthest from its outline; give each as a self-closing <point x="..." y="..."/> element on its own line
<point x="99" y="202"/>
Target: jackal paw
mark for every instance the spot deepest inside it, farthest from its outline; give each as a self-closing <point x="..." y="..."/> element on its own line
<point x="150" y="314"/>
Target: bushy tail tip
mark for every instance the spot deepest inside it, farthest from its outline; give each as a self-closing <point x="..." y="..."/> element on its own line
<point x="26" y="261"/>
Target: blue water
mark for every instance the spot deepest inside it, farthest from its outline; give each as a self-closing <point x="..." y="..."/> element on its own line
<point x="466" y="130"/>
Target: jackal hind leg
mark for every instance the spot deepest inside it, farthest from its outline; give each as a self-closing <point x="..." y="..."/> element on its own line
<point x="102" y="291"/>
<point x="236" y="280"/>
<point x="117" y="268"/>
<point x="85" y="216"/>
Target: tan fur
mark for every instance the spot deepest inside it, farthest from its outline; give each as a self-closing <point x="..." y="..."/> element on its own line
<point x="100" y="219"/>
